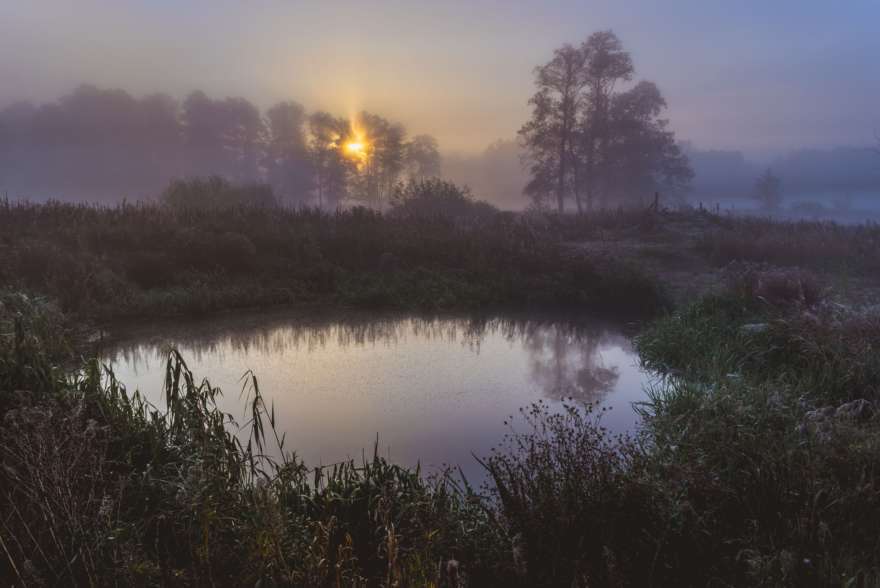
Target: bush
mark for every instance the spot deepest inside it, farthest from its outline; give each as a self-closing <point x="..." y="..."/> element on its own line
<point x="438" y="198"/>
<point x="216" y="192"/>
<point x="145" y="260"/>
<point x="572" y="501"/>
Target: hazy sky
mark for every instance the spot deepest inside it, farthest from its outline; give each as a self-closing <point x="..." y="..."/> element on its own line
<point x="762" y="76"/>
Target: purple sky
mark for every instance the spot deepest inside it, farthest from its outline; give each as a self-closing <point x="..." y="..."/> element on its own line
<point x="753" y="75"/>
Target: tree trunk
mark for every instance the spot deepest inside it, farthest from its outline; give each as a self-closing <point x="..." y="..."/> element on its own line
<point x="560" y="181"/>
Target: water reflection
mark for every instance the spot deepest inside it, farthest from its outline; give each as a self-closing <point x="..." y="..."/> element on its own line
<point x="433" y="388"/>
<point x="568" y="363"/>
<point x="564" y="357"/>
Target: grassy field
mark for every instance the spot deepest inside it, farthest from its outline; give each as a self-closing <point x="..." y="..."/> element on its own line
<point x="758" y="465"/>
<point x="148" y="260"/>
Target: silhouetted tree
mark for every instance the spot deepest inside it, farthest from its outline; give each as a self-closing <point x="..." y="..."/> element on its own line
<point x="607" y="65"/>
<point x="641" y="154"/>
<point x="105" y="144"/>
<point x="223" y="137"/>
<point x="589" y="137"/>
<point x="91" y="142"/>
<point x="422" y="157"/>
<point x="330" y="167"/>
<point x="549" y="135"/>
<point x="768" y="190"/>
<point x="383" y="158"/>
<point x="288" y="166"/>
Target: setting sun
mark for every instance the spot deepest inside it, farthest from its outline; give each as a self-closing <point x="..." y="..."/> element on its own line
<point x="355" y="148"/>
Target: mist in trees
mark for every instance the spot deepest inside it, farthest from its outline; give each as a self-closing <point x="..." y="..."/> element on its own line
<point x="106" y="145"/>
<point x="768" y="190"/>
<point x="592" y="140"/>
<point x="496" y="174"/>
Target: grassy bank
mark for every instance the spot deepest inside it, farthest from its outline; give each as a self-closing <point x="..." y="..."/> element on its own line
<point x="759" y="462"/>
<point x="769" y="429"/>
<point x="758" y="466"/>
<point x="156" y="260"/>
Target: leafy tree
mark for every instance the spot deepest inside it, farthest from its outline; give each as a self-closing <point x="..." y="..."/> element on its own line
<point x="589" y="136"/>
<point x="330" y="167"/>
<point x="768" y="190"/>
<point x="224" y="137"/>
<point x="91" y="143"/>
<point x="288" y="166"/>
<point x="384" y="158"/>
<point x="422" y="157"/>
<point x="607" y="65"/>
<point x="641" y="152"/>
<point x="548" y="136"/>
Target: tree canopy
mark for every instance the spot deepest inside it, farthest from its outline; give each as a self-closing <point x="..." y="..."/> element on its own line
<point x="102" y="144"/>
<point x="593" y="139"/>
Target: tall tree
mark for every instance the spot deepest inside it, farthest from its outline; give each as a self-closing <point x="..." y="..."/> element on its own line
<point x="288" y="166"/>
<point x="590" y="137"/>
<point x="768" y="190"/>
<point x="223" y="137"/>
<point x="607" y="65"/>
<point x="641" y="153"/>
<point x="548" y="135"/>
<point x="383" y="143"/>
<point x="327" y="135"/>
<point x="422" y="157"/>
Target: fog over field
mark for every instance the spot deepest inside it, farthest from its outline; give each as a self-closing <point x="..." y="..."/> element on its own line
<point x="117" y="101"/>
<point x="440" y="293"/>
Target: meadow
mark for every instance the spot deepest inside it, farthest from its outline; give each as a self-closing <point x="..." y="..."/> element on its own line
<point x="758" y="463"/>
<point x="149" y="260"/>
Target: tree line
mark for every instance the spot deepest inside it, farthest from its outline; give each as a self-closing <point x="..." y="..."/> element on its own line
<point x="103" y="144"/>
<point x="594" y="140"/>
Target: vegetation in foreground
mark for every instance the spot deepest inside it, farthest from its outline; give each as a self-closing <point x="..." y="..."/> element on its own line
<point x="758" y="465"/>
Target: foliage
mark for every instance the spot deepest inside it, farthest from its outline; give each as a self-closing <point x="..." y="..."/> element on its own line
<point x="573" y="500"/>
<point x="436" y="197"/>
<point x="215" y="192"/>
<point x="736" y="479"/>
<point x="825" y="246"/>
<point x="104" y="145"/>
<point x="147" y="260"/>
<point x="768" y="190"/>
<point x="99" y="486"/>
<point x="589" y="141"/>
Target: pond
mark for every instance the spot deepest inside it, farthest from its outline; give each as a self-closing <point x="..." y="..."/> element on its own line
<point x="433" y="389"/>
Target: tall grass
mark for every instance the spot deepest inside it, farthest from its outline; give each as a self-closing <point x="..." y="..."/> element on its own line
<point x="748" y="472"/>
<point x="820" y="245"/>
<point x="101" y="487"/>
<point x="147" y="260"/>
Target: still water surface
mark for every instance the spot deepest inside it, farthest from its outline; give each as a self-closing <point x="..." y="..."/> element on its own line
<point x="434" y="390"/>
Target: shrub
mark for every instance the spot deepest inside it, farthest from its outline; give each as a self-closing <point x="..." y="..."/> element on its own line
<point x="436" y="197"/>
<point x="216" y="192"/>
